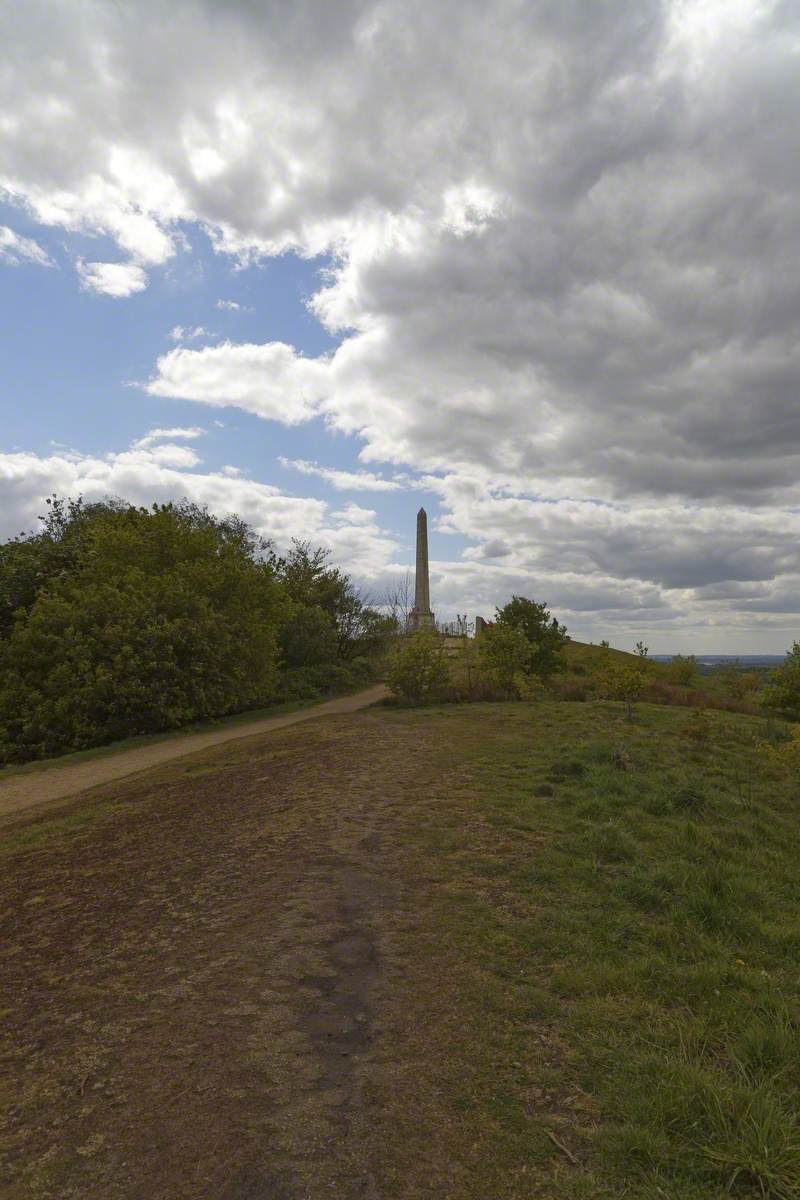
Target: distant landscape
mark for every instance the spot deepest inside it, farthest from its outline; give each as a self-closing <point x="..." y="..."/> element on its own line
<point x="747" y="661"/>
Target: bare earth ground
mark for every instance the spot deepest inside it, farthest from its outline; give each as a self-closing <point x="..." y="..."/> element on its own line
<point x="18" y="793"/>
<point x="223" y="986"/>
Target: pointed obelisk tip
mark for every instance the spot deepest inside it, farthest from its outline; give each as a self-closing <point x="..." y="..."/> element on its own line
<point x="422" y="513"/>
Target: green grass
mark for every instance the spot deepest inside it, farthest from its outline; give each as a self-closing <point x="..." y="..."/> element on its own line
<point x="635" y="904"/>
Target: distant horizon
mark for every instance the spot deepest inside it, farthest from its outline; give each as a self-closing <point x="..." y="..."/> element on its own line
<point x="716" y="654"/>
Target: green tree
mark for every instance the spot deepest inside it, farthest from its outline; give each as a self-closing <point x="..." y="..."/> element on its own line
<point x="159" y="617"/>
<point x="308" y="638"/>
<point x="542" y="631"/>
<point x="507" y="657"/>
<point x="783" y="686"/>
<point x="29" y="562"/>
<point x="417" y="667"/>
<point x="311" y="582"/>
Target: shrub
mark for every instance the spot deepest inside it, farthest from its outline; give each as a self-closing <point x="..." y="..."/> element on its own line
<point x="301" y="683"/>
<point x="740" y="685"/>
<point x="681" y="671"/>
<point x="362" y="668"/>
<point x="466" y="670"/>
<point x="417" y="668"/>
<point x="569" y="689"/>
<point x="625" y="682"/>
<point x="528" y="687"/>
<point x="167" y="616"/>
<point x="698" y="731"/>
<point x="322" y="679"/>
<point x="784" y="753"/>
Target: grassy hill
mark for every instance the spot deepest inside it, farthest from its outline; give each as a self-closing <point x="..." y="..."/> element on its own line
<point x="581" y="654"/>
<point x="725" y="688"/>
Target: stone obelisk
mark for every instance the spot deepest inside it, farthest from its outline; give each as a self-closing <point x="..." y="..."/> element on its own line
<point x="421" y="615"/>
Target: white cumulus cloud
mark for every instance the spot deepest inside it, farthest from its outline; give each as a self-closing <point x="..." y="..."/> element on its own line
<point x="271" y="380"/>
<point x="16" y="249"/>
<point x="112" y="279"/>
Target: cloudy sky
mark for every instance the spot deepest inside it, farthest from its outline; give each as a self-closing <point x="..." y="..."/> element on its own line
<point x="532" y="263"/>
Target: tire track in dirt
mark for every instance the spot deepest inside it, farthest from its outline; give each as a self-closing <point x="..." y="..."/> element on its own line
<point x="195" y="989"/>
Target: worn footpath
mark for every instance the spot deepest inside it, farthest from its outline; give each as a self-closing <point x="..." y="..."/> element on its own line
<point x="202" y="991"/>
<point x="33" y="790"/>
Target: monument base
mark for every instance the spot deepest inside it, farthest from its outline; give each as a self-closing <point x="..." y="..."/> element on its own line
<point x="421" y="620"/>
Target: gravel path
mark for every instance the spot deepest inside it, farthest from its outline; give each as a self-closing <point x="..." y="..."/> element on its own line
<point x="24" y="792"/>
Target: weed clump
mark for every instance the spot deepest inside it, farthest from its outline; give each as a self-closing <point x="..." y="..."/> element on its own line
<point x="612" y="845"/>
<point x="567" y="768"/>
<point x="698" y="731"/>
<point x="689" y="797"/>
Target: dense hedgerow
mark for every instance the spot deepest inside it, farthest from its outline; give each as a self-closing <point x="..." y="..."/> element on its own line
<point x="117" y="621"/>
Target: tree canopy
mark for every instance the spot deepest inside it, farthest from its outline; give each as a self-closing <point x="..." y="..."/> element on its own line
<point x="546" y="637"/>
<point x="117" y="620"/>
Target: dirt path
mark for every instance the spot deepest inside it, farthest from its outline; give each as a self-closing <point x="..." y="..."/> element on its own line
<point x="202" y="992"/>
<point x="19" y="793"/>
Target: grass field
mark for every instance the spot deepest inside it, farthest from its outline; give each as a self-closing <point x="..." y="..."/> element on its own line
<point x="573" y="950"/>
<point x="638" y="919"/>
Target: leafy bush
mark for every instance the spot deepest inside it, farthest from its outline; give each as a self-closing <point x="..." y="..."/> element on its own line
<point x="698" y="731"/>
<point x="569" y="689"/>
<point x="783" y="752"/>
<point x="682" y="671"/>
<point x="362" y="668"/>
<point x="417" y="668"/>
<point x="626" y="682"/>
<point x="740" y="685"/>
<point x="303" y="683"/>
<point x="311" y="583"/>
